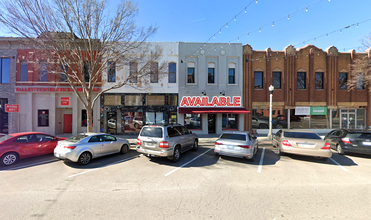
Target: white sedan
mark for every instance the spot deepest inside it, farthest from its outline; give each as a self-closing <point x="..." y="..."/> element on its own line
<point x="84" y="147"/>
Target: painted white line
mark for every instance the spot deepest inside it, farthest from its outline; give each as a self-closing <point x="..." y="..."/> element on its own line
<point x="104" y="166"/>
<point x="261" y="161"/>
<point x="188" y="162"/>
<point x="30" y="165"/>
<point x="338" y="164"/>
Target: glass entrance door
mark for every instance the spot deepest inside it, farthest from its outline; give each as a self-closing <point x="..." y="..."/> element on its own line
<point x="348" y="120"/>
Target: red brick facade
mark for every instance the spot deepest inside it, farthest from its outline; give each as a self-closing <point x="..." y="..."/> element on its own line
<point x="289" y="62"/>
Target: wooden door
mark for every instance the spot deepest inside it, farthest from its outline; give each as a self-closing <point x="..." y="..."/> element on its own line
<point x="67" y="123"/>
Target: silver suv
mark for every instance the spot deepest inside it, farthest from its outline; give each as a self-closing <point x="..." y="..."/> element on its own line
<point x="166" y="141"/>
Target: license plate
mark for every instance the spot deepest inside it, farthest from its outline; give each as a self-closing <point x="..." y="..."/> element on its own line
<point x="149" y="144"/>
<point x="306" y="145"/>
<point x="367" y="143"/>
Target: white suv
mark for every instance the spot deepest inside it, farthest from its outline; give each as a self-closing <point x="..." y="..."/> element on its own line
<point x="166" y="141"/>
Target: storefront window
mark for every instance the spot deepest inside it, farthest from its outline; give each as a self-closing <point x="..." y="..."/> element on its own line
<point x="192" y="121"/>
<point x="158" y="100"/>
<point x="133" y="100"/>
<point x="155" y="118"/>
<point x="111" y="122"/>
<point x="173" y="100"/>
<point x="260" y="118"/>
<point x="173" y="118"/>
<point x="43" y="118"/>
<point x="229" y="121"/>
<point x="131" y="122"/>
<point x="112" y="100"/>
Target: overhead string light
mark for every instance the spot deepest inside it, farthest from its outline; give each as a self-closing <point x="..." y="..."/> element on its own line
<point x="244" y="10"/>
<point x="335" y="31"/>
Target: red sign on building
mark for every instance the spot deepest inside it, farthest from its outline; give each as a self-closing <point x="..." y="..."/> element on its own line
<point x="65" y="101"/>
<point x="11" y="108"/>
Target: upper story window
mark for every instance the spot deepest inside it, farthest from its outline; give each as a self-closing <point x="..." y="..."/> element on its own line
<point x="24" y="70"/>
<point x="258" y="80"/>
<point x="172" y="72"/>
<point x="133" y="72"/>
<point x="360" y="83"/>
<point x="343" y="79"/>
<point x="277" y="80"/>
<point x="231" y="73"/>
<point x="43" y="71"/>
<point x="64" y="72"/>
<point x="302" y="80"/>
<point x="4" y="70"/>
<point x="211" y="73"/>
<point x="86" y="72"/>
<point x="154" y="72"/>
<point x="191" y="73"/>
<point x="319" y="80"/>
<point x="111" y="74"/>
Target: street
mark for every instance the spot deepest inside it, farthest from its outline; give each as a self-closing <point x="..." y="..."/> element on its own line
<point x="199" y="186"/>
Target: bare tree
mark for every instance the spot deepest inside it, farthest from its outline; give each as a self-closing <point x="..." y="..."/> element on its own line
<point x="360" y="68"/>
<point x="82" y="39"/>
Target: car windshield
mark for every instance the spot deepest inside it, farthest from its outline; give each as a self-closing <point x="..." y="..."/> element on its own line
<point x="360" y="135"/>
<point x="306" y="135"/>
<point x="5" y="137"/>
<point x="151" y="132"/>
<point x="77" y="138"/>
<point x="240" y="137"/>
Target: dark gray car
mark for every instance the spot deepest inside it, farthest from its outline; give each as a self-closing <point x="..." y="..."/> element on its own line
<point x="166" y="141"/>
<point x="350" y="140"/>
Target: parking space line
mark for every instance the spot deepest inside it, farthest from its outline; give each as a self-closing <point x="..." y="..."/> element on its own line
<point x="30" y="165"/>
<point x="188" y="162"/>
<point x="261" y="161"/>
<point x="104" y="166"/>
<point x="338" y="164"/>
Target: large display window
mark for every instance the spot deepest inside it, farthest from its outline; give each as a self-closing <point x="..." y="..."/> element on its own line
<point x="229" y="121"/>
<point x="193" y="121"/>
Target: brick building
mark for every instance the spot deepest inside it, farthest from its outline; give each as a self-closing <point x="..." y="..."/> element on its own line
<point x="310" y="88"/>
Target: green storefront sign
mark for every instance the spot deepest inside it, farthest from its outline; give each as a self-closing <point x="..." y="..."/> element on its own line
<point x="318" y="110"/>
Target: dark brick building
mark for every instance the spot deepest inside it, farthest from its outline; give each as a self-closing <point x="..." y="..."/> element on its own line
<point x="310" y="92"/>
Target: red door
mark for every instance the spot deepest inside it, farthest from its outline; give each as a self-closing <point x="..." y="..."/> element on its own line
<point x="67" y="123"/>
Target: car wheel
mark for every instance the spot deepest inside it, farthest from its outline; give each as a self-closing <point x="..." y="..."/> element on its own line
<point x="279" y="126"/>
<point x="263" y="126"/>
<point x="124" y="149"/>
<point x="279" y="152"/>
<point x="176" y="155"/>
<point x="84" y="158"/>
<point x="339" y="150"/>
<point x="195" y="145"/>
<point x="9" y="158"/>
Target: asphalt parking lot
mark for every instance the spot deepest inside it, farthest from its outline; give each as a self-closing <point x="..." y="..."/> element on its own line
<point x="199" y="186"/>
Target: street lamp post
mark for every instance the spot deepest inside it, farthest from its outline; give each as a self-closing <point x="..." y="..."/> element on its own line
<point x="271" y="88"/>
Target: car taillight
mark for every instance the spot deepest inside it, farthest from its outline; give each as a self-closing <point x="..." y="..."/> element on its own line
<point x="286" y="143"/>
<point x="244" y="146"/>
<point x="70" y="147"/>
<point x="164" y="144"/>
<point x="138" y="142"/>
<point x="346" y="140"/>
<point x="218" y="143"/>
<point x="326" y="146"/>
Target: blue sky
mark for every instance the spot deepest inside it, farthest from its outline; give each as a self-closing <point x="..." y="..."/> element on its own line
<point x="199" y="20"/>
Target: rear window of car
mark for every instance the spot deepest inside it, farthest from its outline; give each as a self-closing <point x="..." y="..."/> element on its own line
<point x="240" y="137"/>
<point x="76" y="138"/>
<point x="306" y="135"/>
<point x="360" y="135"/>
<point x="151" y="132"/>
<point x="5" y="137"/>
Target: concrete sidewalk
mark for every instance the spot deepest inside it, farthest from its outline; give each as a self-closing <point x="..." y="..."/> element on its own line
<point x="203" y="138"/>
